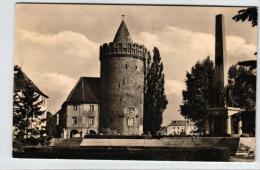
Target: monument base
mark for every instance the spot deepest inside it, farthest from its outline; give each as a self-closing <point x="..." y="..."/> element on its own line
<point x="223" y="121"/>
<point x="165" y="148"/>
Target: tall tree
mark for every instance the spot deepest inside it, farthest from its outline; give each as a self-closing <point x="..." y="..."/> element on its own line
<point x="27" y="112"/>
<point x="155" y="98"/>
<point x="241" y="88"/>
<point x="199" y="93"/>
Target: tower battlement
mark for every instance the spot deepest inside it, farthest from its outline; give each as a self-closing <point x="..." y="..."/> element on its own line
<point x="121" y="49"/>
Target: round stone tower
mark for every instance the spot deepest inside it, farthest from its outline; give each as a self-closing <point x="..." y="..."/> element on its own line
<point x="122" y="85"/>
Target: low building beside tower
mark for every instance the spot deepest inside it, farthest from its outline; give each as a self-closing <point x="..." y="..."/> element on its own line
<point x="79" y="114"/>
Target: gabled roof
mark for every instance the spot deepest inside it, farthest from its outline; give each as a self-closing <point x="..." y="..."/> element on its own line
<point x="122" y="34"/>
<point x="21" y="80"/>
<point x="86" y="90"/>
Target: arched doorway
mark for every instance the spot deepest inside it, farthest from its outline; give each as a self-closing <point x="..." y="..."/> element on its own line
<point x="92" y="132"/>
<point x="74" y="133"/>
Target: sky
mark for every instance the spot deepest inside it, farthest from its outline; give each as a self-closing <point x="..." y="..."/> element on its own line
<point x="56" y="44"/>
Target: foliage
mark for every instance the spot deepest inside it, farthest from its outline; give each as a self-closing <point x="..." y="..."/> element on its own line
<point x="251" y="64"/>
<point x="155" y="99"/>
<point x="198" y="96"/>
<point x="241" y="88"/>
<point x="249" y="14"/>
<point x="27" y="112"/>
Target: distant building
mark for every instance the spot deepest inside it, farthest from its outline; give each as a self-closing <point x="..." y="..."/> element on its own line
<point x="21" y="81"/>
<point x="181" y="127"/>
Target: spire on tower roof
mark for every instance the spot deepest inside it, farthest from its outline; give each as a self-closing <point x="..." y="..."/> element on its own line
<point x="122" y="34"/>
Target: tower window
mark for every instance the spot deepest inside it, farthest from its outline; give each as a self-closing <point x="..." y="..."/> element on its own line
<point x="118" y="84"/>
<point x="75" y="107"/>
<point x="125" y="66"/>
<point x="120" y="99"/>
<point x="57" y="119"/>
<point x="91" y="107"/>
<point x="130" y="121"/>
<point x="74" y="120"/>
<point x="135" y="67"/>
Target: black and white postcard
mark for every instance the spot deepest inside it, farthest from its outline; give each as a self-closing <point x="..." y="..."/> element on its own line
<point x="135" y="82"/>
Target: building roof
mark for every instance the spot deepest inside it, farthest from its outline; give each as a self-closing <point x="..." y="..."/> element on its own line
<point x="181" y="123"/>
<point x="21" y="80"/>
<point x="85" y="91"/>
<point x="122" y="34"/>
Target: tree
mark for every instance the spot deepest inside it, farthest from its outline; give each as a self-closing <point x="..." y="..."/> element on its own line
<point x="241" y="88"/>
<point x="199" y="93"/>
<point x="27" y="112"/>
<point x="249" y="14"/>
<point x="155" y="101"/>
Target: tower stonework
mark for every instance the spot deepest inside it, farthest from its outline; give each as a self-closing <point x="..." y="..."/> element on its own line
<point x="122" y="85"/>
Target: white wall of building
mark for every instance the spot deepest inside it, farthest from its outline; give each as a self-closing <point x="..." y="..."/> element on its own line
<point x="177" y="130"/>
<point x="83" y="118"/>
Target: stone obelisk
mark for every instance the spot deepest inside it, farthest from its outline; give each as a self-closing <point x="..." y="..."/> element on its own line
<point x="220" y="52"/>
<point x="219" y="119"/>
<point x="215" y="122"/>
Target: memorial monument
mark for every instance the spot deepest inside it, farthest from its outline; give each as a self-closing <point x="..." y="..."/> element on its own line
<point x="219" y="119"/>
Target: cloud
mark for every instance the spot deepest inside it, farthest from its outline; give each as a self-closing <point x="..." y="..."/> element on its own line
<point x="174" y="87"/>
<point x="180" y="49"/>
<point x="238" y="49"/>
<point x="67" y="52"/>
<point x="55" y="85"/>
<point x="173" y="90"/>
<point x="58" y="81"/>
<point x="68" y="40"/>
<point x="56" y="61"/>
<point x="58" y="87"/>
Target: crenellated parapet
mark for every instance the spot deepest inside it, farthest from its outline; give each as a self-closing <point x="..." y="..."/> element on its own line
<point x="121" y="49"/>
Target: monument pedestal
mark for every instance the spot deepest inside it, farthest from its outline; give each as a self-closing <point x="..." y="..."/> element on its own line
<point x="220" y="121"/>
